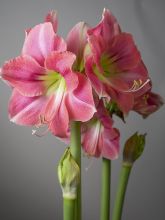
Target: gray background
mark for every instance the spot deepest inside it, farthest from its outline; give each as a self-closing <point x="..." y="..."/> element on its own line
<point x="29" y="188"/>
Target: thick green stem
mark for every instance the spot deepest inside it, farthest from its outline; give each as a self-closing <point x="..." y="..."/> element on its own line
<point x="68" y="209"/>
<point x="75" y="147"/>
<point x="106" y="189"/>
<point x="123" y="181"/>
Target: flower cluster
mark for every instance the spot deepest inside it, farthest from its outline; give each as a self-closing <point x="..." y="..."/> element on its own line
<point x="95" y="73"/>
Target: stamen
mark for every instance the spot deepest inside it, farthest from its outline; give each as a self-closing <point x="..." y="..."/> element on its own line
<point x="34" y="132"/>
<point x="42" y="122"/>
<point x="137" y="85"/>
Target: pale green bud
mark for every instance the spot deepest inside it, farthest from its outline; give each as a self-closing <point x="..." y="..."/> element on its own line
<point x="68" y="175"/>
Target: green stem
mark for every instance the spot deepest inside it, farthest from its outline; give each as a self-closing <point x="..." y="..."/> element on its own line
<point x="68" y="209"/>
<point x="105" y="193"/>
<point x="75" y="147"/>
<point x="123" y="182"/>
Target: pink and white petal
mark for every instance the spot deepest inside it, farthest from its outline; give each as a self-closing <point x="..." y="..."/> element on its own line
<point x="23" y="73"/>
<point x="55" y="102"/>
<point x="25" y="110"/>
<point x="97" y="85"/>
<point x="80" y="103"/>
<point x="60" y="62"/>
<point x="91" y="141"/>
<point x="71" y="80"/>
<point x="52" y="17"/>
<point x="42" y="40"/>
<point x="107" y="28"/>
<point x="124" y="53"/>
<point x="111" y="144"/>
<point x="59" y="125"/>
<point x="77" y="40"/>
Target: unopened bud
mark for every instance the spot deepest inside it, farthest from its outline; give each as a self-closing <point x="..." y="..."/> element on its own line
<point x="133" y="148"/>
<point x="68" y="175"/>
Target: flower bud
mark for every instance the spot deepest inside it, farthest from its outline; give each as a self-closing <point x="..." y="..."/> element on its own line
<point x="133" y="148"/>
<point x="68" y="175"/>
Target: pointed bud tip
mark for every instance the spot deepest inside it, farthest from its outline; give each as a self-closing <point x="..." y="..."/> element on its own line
<point x="133" y="148"/>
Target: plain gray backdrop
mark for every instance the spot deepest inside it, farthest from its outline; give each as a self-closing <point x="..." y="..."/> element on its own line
<point x="29" y="188"/>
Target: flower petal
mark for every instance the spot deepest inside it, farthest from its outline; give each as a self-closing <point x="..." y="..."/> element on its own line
<point x="80" y="103"/>
<point x="111" y="145"/>
<point x="148" y="103"/>
<point x="96" y="83"/>
<point x="91" y="141"/>
<point x="76" y="42"/>
<point x="125" y="101"/>
<point x="124" y="53"/>
<point x="23" y="74"/>
<point x="25" y="110"/>
<point x="42" y="40"/>
<point x="52" y="17"/>
<point x="59" y="125"/>
<point x="60" y="62"/>
<point x="107" y="28"/>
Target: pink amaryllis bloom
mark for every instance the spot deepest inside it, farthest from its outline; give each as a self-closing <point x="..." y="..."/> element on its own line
<point x="147" y="103"/>
<point x="99" y="138"/>
<point x="114" y="65"/>
<point x="46" y="90"/>
<point x="76" y="42"/>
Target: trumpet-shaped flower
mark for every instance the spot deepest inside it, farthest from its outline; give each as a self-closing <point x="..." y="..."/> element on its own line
<point x="46" y="90"/>
<point x="98" y="136"/>
<point x="115" y="69"/>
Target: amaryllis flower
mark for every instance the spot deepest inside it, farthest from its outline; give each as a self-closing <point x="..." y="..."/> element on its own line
<point x="147" y="103"/>
<point x="99" y="138"/>
<point x="46" y="90"/>
<point x="76" y="41"/>
<point x="115" y="69"/>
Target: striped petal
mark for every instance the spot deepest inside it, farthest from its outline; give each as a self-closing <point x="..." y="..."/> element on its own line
<point x="80" y="103"/>
<point x="23" y="74"/>
<point x="25" y="110"/>
<point x="42" y="40"/>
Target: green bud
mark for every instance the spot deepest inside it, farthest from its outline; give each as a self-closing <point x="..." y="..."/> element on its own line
<point x="68" y="175"/>
<point x="133" y="148"/>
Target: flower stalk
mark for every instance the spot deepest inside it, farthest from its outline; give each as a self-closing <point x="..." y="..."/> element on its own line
<point x="133" y="149"/>
<point x="106" y="189"/>
<point x="69" y="209"/>
<point x="120" y="196"/>
<point x="76" y="153"/>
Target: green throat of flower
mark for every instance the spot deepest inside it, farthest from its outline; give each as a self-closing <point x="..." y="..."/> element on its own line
<point x="108" y="68"/>
<point x="53" y="81"/>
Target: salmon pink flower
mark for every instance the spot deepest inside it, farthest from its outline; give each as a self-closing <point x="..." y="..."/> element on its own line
<point x="98" y="136"/>
<point x="46" y="90"/>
